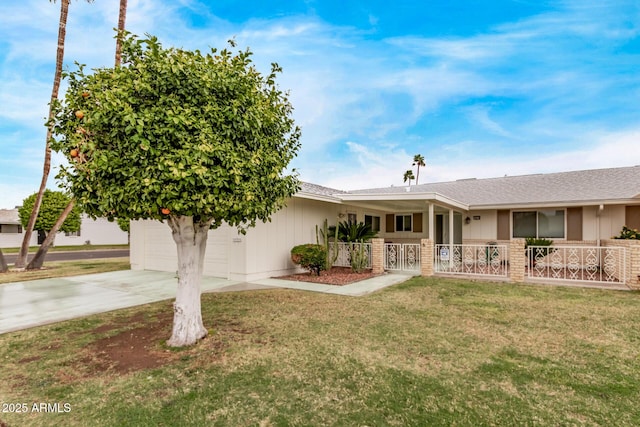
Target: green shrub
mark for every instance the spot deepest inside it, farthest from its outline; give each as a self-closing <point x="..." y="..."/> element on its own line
<point x="629" y="234"/>
<point x="353" y="232"/>
<point x="539" y="253"/>
<point x="310" y="256"/>
<point x="532" y="241"/>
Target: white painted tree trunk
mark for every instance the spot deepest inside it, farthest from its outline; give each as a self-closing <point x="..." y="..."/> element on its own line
<point x="191" y="240"/>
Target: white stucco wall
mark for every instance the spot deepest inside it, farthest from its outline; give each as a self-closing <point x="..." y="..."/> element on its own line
<point x="263" y="252"/>
<point x="611" y="221"/>
<point x="485" y="228"/>
<point x="99" y="232"/>
<point x="14" y="240"/>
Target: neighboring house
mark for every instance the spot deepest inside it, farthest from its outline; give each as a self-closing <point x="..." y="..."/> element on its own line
<point x="96" y="232"/>
<point x="11" y="230"/>
<point x="571" y="208"/>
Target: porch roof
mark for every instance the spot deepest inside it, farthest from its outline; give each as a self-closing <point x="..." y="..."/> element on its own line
<point x="586" y="187"/>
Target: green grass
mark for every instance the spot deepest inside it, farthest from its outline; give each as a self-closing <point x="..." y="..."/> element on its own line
<point x="67" y="268"/>
<point x="429" y="352"/>
<point x="34" y="249"/>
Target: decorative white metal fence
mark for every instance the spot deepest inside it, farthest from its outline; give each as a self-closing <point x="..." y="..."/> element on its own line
<point x="483" y="260"/>
<point x="577" y="263"/>
<point x="402" y="256"/>
<point x="345" y="251"/>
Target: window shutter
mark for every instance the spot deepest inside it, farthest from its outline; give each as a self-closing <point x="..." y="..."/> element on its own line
<point x="503" y="225"/>
<point x="391" y="225"/>
<point x="574" y="223"/>
<point x="632" y="217"/>
<point x="417" y="222"/>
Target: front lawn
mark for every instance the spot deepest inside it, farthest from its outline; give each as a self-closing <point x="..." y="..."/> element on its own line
<point x="67" y="268"/>
<point x="429" y="352"/>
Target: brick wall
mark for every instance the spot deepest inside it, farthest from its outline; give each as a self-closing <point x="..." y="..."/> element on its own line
<point x="632" y="259"/>
<point x="517" y="260"/>
<point x="426" y="257"/>
<point x="377" y="256"/>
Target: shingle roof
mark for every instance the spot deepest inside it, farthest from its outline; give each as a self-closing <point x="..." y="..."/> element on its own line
<point x="578" y="186"/>
<point x="319" y="190"/>
<point x="9" y="216"/>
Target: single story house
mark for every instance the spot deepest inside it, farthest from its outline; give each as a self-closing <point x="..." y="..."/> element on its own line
<point x="571" y="208"/>
<point x="97" y="232"/>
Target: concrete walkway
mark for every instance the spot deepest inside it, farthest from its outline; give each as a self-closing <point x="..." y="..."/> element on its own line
<point x="27" y="304"/>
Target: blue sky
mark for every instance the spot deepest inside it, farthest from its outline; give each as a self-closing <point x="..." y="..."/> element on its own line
<point x="479" y="88"/>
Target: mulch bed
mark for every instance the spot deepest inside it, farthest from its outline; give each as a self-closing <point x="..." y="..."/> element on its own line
<point x="337" y="276"/>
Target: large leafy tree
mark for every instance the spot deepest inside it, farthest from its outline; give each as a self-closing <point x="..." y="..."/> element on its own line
<point x="187" y="138"/>
<point x="53" y="203"/>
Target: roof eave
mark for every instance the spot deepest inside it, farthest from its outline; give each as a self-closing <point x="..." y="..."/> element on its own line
<point x="319" y="197"/>
<point x="554" y="204"/>
<point x="427" y="197"/>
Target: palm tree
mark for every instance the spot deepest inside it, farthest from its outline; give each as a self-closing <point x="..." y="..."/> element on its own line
<point x="122" y="16"/>
<point x="38" y="259"/>
<point x="418" y="160"/>
<point x="408" y="176"/>
<point x="62" y="31"/>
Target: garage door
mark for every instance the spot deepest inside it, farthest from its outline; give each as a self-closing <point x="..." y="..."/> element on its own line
<point x="160" y="250"/>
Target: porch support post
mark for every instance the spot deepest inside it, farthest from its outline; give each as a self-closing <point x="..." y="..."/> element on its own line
<point x="517" y="260"/>
<point x="451" y="233"/>
<point x="377" y="256"/>
<point x="426" y="257"/>
<point x="430" y="219"/>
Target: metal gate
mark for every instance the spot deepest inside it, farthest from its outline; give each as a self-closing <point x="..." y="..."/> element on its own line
<point x="402" y="257"/>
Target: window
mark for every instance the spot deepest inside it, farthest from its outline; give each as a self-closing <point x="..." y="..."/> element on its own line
<point x="373" y="222"/>
<point x="543" y="224"/>
<point x="10" y="228"/>
<point x="72" y="233"/>
<point x="403" y="222"/>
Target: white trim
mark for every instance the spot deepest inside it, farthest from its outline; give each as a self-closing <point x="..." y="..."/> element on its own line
<point x="433" y="197"/>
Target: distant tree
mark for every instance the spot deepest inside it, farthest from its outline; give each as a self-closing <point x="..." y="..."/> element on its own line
<point x="198" y="139"/>
<point x="408" y="176"/>
<point x="21" y="259"/>
<point x="53" y="203"/>
<point x="418" y="160"/>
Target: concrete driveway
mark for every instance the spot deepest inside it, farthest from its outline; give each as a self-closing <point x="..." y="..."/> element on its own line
<point x="38" y="302"/>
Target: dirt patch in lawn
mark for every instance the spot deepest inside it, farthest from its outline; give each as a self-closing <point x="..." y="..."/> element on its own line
<point x="132" y="349"/>
<point x="338" y="276"/>
<point x="142" y="346"/>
